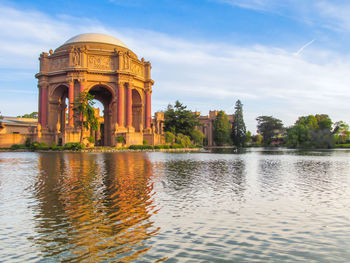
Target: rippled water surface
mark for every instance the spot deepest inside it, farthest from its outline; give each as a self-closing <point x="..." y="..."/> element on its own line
<point x="256" y="206"/>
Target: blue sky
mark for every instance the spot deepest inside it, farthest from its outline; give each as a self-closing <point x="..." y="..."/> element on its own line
<point x="282" y="58"/>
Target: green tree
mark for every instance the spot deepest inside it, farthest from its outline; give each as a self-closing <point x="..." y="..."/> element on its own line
<point x="197" y="137"/>
<point x="248" y="137"/>
<point x="169" y="137"/>
<point x="269" y="127"/>
<point x="177" y="119"/>
<point x="87" y="118"/>
<point x="312" y="131"/>
<point x="341" y="132"/>
<point x="33" y="115"/>
<point x="238" y="133"/>
<point x="221" y="131"/>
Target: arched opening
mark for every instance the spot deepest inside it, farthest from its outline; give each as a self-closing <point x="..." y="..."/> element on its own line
<point x="105" y="112"/>
<point x="137" y="111"/>
<point x="58" y="106"/>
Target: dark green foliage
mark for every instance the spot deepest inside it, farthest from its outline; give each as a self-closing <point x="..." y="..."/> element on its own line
<point x="87" y="118"/>
<point x="144" y="142"/>
<point x="311" y="132"/>
<point x="27" y="142"/>
<point x="73" y="146"/>
<point x="54" y="146"/>
<point x="238" y="134"/>
<point x="120" y="139"/>
<point x="17" y="146"/>
<point x="269" y="128"/>
<point x="34" y="146"/>
<point x="141" y="147"/>
<point x="221" y="132"/>
<point x="176" y="146"/>
<point x="180" y="120"/>
<point x="162" y="146"/>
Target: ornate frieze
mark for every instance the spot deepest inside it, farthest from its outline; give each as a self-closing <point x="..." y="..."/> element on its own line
<point x="100" y="62"/>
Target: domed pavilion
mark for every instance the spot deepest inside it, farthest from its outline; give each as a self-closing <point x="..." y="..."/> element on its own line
<point x="106" y="68"/>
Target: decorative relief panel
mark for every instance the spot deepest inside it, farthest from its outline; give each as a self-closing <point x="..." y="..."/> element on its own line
<point x="58" y="63"/>
<point x="101" y="62"/>
<point x="137" y="69"/>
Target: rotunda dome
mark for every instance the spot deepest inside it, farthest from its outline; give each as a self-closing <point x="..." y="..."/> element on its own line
<point x="95" y="38"/>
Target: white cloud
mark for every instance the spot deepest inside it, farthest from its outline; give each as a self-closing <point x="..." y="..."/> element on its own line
<point x="202" y="74"/>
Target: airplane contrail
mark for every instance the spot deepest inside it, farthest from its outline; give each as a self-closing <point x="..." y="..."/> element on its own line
<point x="303" y="47"/>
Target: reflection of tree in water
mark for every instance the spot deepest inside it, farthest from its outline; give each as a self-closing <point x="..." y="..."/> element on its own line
<point x="270" y="175"/>
<point x="187" y="177"/>
<point x="318" y="177"/>
<point x="181" y="173"/>
<point x="228" y="175"/>
<point x="94" y="207"/>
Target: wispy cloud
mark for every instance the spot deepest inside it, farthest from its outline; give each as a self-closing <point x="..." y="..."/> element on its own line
<point x="332" y="14"/>
<point x="203" y="74"/>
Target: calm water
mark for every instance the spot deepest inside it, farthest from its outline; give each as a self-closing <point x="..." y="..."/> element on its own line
<point x="256" y="206"/>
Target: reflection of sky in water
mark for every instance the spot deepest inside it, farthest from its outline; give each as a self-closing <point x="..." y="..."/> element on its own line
<point x="259" y="205"/>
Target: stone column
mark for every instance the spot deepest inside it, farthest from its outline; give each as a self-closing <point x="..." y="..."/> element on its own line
<point x="40" y="102"/>
<point x="71" y="104"/>
<point x="129" y="106"/>
<point x="120" y="105"/>
<point x="44" y="105"/>
<point x="148" y="110"/>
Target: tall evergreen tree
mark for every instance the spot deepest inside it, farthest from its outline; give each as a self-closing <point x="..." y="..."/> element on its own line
<point x="238" y="133"/>
<point x="221" y="133"/>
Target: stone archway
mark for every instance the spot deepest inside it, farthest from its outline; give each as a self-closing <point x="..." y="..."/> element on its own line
<point x="137" y="111"/>
<point x="106" y="96"/>
<point x="58" y="110"/>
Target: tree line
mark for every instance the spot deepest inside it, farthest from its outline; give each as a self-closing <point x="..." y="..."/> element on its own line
<point x="181" y="128"/>
<point x="312" y="131"/>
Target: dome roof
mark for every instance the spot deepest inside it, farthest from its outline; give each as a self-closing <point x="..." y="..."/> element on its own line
<point x="96" y="38"/>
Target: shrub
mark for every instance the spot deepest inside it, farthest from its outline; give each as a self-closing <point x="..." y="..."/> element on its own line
<point x="120" y="139"/>
<point x="141" y="147"/>
<point x="183" y="140"/>
<point x="176" y="146"/>
<point x="162" y="146"/>
<point x="73" y="146"/>
<point x="17" y="146"/>
<point x="54" y="146"/>
<point x="144" y="142"/>
<point x="91" y="139"/>
<point x="27" y="143"/>
<point x="169" y="137"/>
<point x="34" y="146"/>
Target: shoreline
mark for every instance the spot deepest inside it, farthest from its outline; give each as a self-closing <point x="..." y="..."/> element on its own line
<point x="103" y="150"/>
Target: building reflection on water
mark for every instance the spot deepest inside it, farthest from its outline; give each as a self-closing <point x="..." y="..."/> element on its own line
<point x="94" y="207"/>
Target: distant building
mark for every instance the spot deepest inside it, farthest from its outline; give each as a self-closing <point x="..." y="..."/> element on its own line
<point x="208" y="125"/>
<point x="15" y="130"/>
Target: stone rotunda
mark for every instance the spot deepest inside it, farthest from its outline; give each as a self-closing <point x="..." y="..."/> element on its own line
<point x="105" y="67"/>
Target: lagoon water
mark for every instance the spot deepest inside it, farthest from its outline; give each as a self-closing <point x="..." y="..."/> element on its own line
<point x="256" y="206"/>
